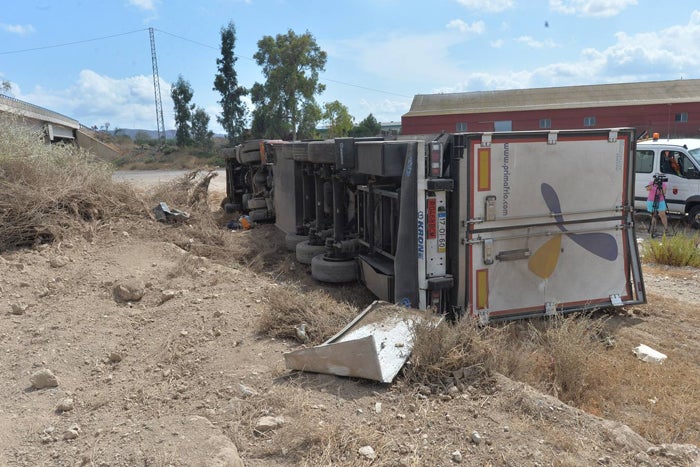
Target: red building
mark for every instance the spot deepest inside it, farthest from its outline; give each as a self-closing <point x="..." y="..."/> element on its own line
<point x="671" y="108"/>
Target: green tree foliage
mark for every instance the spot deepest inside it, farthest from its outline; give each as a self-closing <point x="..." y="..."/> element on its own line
<point x="201" y="134"/>
<point x="181" y="93"/>
<point x="233" y="114"/>
<point x="367" y="127"/>
<point x="290" y="64"/>
<point x="5" y="87"/>
<point x="310" y="116"/>
<point x="340" y="122"/>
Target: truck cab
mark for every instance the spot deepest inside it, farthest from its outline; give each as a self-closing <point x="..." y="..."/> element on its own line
<point x="679" y="160"/>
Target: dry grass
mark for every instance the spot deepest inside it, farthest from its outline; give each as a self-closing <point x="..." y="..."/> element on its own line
<point x="289" y="308"/>
<point x="46" y="190"/>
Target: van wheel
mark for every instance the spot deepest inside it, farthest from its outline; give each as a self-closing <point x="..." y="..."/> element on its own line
<point x="306" y="252"/>
<point x="292" y="240"/>
<point x="694" y="217"/>
<point x="334" y="271"/>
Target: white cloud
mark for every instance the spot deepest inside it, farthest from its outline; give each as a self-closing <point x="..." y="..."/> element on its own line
<point x="19" y="29"/>
<point x="149" y="5"/>
<point x="660" y="55"/>
<point x="95" y="99"/>
<point x="477" y="27"/>
<point x="491" y="6"/>
<point x="594" y="8"/>
<point x="535" y="44"/>
<point x="384" y="110"/>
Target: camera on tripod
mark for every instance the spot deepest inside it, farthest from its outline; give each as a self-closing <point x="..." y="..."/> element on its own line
<point x="659" y="180"/>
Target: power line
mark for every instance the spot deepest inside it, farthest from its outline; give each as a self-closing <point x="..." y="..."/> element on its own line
<point x="253" y="60"/>
<point x="65" y="44"/>
<point x="70" y="43"/>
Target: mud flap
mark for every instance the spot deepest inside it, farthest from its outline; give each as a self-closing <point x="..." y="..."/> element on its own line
<point x="375" y="345"/>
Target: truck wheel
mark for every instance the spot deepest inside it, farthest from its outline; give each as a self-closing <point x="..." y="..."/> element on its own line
<point x="694" y="217"/>
<point x="334" y="271"/>
<point x="291" y="241"/>
<point x="306" y="251"/>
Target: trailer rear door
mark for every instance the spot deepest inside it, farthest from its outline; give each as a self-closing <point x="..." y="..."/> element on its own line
<point x="549" y="225"/>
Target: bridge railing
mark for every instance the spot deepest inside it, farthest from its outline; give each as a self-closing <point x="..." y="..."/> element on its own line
<point x="16" y="106"/>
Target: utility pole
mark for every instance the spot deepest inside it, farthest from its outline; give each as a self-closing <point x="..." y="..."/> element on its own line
<point x="156" y="90"/>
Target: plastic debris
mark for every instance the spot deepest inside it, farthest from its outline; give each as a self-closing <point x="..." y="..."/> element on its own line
<point x="647" y="354"/>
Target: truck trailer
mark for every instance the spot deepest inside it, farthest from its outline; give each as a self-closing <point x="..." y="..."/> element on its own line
<point x="496" y="226"/>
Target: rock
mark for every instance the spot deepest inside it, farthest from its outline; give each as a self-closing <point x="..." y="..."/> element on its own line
<point x="377" y="407"/>
<point x="72" y="432"/>
<point x="129" y="291"/>
<point x="246" y="391"/>
<point x="65" y="405"/>
<point x="457" y="456"/>
<point x="476" y="437"/>
<point x="59" y="261"/>
<point x="114" y="357"/>
<point x="43" y="378"/>
<point x="166" y="295"/>
<point x="268" y="423"/>
<point x="367" y="452"/>
<point x="18" y="308"/>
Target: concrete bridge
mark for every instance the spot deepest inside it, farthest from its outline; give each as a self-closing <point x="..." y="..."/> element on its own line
<point x="57" y="127"/>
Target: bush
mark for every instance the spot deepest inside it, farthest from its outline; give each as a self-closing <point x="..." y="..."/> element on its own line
<point x="677" y="250"/>
<point x="47" y="188"/>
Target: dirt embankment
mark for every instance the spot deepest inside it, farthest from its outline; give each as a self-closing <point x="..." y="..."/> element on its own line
<point x="158" y="360"/>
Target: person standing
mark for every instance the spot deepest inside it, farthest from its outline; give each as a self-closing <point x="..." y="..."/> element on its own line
<point x="657" y="192"/>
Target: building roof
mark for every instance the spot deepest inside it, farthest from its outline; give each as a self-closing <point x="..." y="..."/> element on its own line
<point x="568" y="97"/>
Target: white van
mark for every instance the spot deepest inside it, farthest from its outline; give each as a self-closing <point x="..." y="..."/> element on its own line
<point x="679" y="160"/>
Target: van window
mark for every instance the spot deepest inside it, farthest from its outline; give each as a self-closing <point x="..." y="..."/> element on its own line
<point x="644" y="161"/>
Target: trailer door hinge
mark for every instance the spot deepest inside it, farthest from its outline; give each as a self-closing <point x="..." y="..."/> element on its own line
<point x="552" y="137"/>
<point x="616" y="300"/>
<point x="490" y="208"/>
<point x="486" y="140"/>
<point x="488" y="251"/>
<point x="612" y="136"/>
<point x="483" y="317"/>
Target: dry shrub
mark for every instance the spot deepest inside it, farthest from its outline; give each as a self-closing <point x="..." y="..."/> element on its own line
<point x="309" y="436"/>
<point x="48" y="189"/>
<point x="289" y="308"/>
<point x="564" y="356"/>
<point x="440" y="351"/>
<point x="677" y="250"/>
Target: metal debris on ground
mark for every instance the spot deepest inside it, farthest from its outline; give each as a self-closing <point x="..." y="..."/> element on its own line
<point x="164" y="213"/>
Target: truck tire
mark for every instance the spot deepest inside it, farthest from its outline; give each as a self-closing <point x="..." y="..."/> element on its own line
<point x="306" y="252"/>
<point x="694" y="217"/>
<point x="334" y="271"/>
<point x="291" y="241"/>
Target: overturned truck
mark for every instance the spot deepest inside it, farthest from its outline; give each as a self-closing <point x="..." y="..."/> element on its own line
<point x="494" y="225"/>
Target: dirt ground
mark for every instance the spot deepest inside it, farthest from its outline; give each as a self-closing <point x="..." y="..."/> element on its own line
<point x="157" y="362"/>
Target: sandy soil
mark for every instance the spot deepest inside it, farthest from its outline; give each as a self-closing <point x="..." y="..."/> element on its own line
<point x="157" y="361"/>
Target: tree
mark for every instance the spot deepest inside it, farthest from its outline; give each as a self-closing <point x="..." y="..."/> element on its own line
<point x="367" y="127"/>
<point x="200" y="129"/>
<point x="5" y="87"/>
<point x="233" y="114"/>
<point x="181" y="93"/>
<point x="310" y="116"/>
<point x="340" y="122"/>
<point x="290" y="64"/>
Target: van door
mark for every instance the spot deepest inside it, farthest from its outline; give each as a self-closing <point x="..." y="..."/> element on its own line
<point x="681" y="184"/>
<point x="549" y="226"/>
<point x="644" y="172"/>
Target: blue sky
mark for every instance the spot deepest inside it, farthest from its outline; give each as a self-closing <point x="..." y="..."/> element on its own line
<point x="380" y="52"/>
